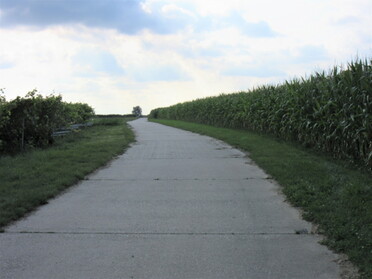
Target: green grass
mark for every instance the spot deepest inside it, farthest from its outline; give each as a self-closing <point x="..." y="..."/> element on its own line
<point x="30" y="179"/>
<point x="332" y="193"/>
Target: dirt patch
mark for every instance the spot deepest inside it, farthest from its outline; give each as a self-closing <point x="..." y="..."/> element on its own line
<point x="348" y="270"/>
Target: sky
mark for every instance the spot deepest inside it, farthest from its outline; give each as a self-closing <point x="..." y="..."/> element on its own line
<point x="117" y="54"/>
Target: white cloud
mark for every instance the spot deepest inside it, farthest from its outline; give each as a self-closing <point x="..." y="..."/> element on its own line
<point x="214" y="46"/>
<point x="146" y="7"/>
<point x="172" y="8"/>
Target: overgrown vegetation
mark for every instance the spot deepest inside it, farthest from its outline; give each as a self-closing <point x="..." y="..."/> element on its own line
<point x="29" y="122"/>
<point x="29" y="179"/>
<point x="331" y="112"/>
<point x="332" y="193"/>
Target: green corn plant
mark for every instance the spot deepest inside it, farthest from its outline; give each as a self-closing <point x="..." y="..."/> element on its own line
<point x="329" y="111"/>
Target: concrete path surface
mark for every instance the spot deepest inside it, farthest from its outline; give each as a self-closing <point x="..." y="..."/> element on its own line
<point x="175" y="205"/>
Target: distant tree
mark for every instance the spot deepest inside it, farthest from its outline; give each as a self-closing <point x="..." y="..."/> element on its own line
<point x="137" y="111"/>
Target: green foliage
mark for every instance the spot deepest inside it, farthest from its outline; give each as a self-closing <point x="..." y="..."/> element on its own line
<point x="4" y="114"/>
<point x="332" y="193"/>
<point x="31" y="120"/>
<point x="108" y="121"/>
<point x="29" y="179"/>
<point x="77" y="112"/>
<point x="137" y="111"/>
<point x="331" y="112"/>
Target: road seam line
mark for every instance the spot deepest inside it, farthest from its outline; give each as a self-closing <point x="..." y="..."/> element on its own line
<point x="160" y="234"/>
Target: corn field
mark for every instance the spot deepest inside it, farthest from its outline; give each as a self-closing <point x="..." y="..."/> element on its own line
<point x="329" y="111"/>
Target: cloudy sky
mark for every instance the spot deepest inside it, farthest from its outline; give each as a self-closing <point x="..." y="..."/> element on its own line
<point x="117" y="54"/>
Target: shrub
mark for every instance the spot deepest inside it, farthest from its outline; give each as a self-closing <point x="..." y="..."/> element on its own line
<point x="31" y="120"/>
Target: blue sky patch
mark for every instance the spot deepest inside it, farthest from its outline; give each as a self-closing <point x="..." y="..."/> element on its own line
<point x="97" y="61"/>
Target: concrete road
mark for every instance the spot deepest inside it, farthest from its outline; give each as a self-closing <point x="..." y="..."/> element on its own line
<point x="175" y="205"/>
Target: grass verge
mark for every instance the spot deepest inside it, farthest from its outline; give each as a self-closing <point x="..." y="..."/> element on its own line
<point x="30" y="179"/>
<point x="331" y="193"/>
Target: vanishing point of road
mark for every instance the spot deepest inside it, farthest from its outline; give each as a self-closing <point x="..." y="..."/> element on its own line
<point x="175" y="205"/>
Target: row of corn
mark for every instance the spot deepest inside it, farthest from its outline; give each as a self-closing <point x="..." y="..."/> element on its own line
<point x="329" y="111"/>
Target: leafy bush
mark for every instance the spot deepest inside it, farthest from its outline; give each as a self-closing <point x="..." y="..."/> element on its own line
<point x="77" y="112"/>
<point x="31" y="120"/>
<point x="331" y="112"/>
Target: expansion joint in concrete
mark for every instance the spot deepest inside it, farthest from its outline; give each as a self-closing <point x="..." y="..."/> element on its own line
<point x="297" y="232"/>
